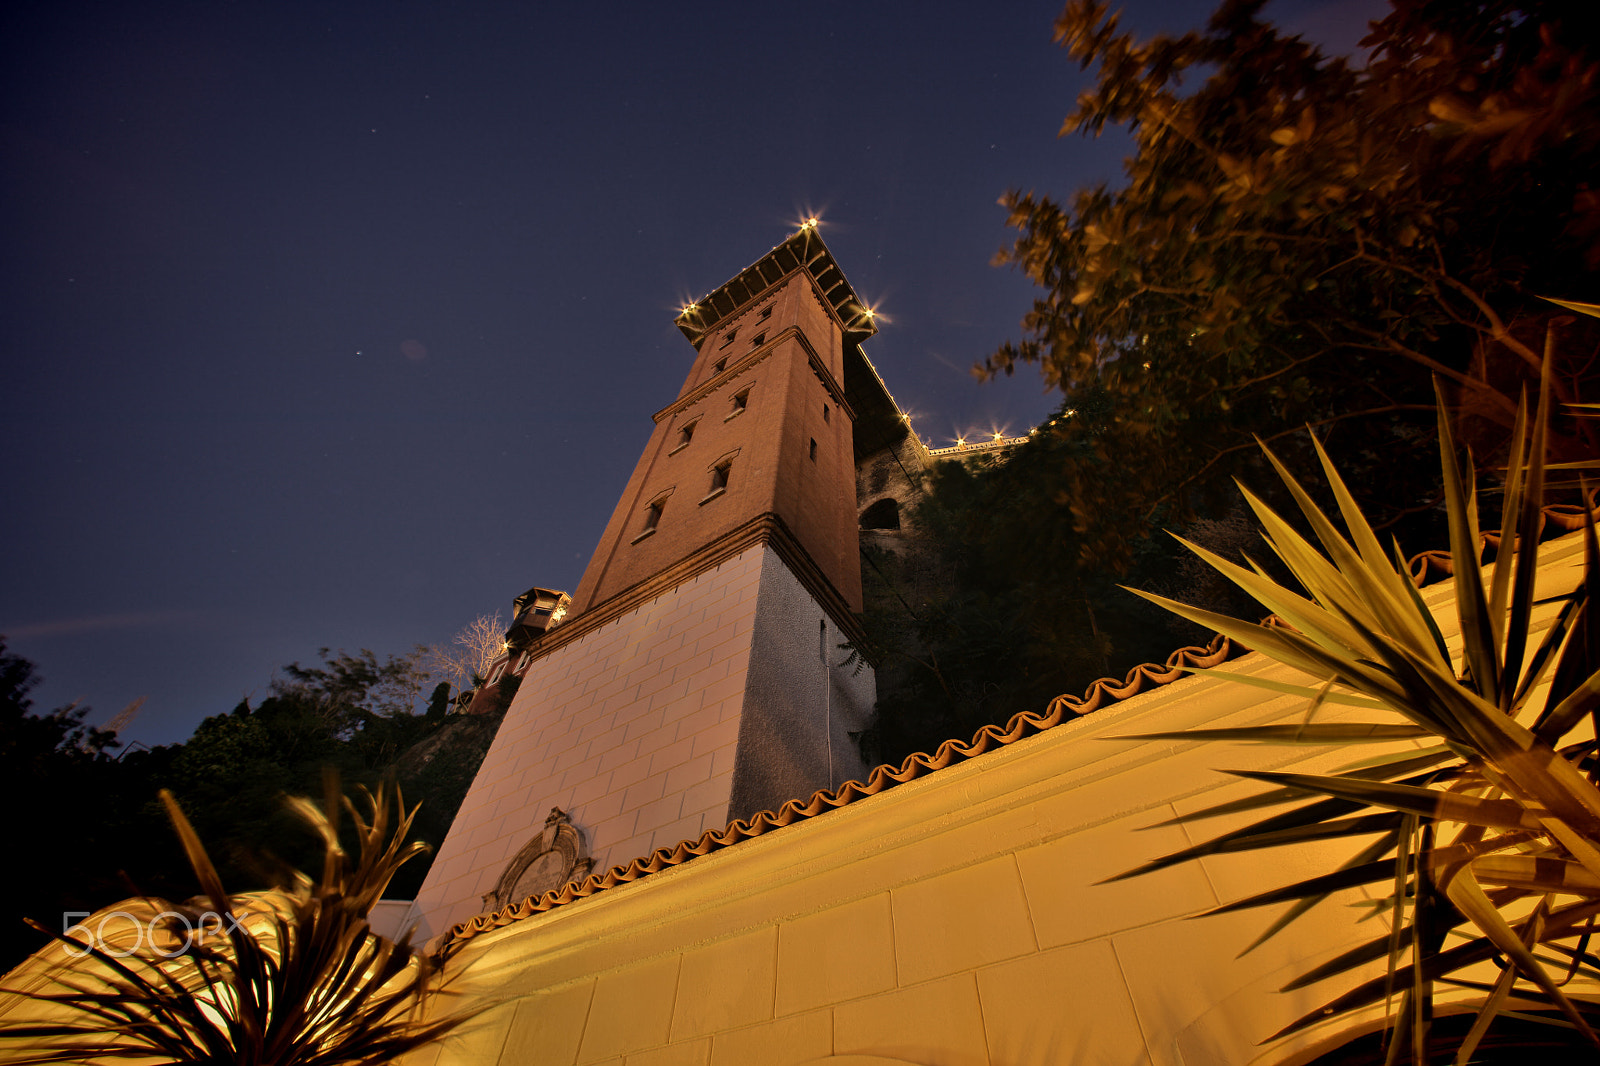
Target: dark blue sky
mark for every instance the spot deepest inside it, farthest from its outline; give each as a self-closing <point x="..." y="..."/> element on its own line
<point x="340" y="327"/>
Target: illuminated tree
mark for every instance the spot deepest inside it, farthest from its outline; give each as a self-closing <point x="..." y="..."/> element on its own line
<point x="466" y="661"/>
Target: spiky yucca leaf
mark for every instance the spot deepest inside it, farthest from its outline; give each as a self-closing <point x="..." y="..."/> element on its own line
<point x="1498" y="828"/>
<point x="291" y="977"/>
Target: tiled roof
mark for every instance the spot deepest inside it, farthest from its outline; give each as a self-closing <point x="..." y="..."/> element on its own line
<point x="1023" y="724"/>
<point x="1425" y="568"/>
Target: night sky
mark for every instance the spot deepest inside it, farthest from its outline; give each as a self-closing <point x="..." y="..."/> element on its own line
<point x="340" y="324"/>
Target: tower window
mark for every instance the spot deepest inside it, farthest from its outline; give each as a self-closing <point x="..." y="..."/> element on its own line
<point x="720" y="470"/>
<point x="719" y="480"/>
<point x="741" y="400"/>
<point x="728" y="338"/>
<point x="652" y="516"/>
<point x="827" y="415"/>
<point x="813" y="449"/>
<point x="758" y="340"/>
<point x="765" y="313"/>
<point x="685" y="435"/>
<point x="718" y="368"/>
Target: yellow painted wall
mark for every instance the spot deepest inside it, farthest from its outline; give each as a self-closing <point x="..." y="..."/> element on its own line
<point x="952" y="921"/>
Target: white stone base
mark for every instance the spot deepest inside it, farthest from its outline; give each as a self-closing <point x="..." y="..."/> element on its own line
<point x="635" y="729"/>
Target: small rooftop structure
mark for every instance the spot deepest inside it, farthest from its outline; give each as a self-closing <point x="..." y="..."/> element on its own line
<point x="533" y="612"/>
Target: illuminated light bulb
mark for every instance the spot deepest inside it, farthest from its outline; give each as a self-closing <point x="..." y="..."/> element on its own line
<point x="961" y="442"/>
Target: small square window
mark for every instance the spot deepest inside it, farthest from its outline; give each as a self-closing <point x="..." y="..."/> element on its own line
<point x="717" y="369"/>
<point x="686" y="434"/>
<point x="826" y="414"/>
<point x="652" y="515"/>
<point x="741" y="400"/>
<point x="728" y="339"/>
<point x="813" y="449"/>
<point x="758" y="340"/>
<point x="719" y="476"/>
<point x="766" y="312"/>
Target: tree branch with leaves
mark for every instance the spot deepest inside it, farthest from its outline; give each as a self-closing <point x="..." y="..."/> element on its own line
<point x="1368" y="225"/>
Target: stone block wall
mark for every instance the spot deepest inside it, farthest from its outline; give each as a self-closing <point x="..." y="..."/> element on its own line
<point x="802" y="705"/>
<point x="631" y="729"/>
<point x="723" y="697"/>
<point x="898" y="472"/>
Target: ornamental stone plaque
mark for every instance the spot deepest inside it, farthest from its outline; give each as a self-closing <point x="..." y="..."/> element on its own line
<point x="551" y="859"/>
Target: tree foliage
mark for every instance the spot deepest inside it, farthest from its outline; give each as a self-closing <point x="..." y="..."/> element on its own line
<point x="74" y="802"/>
<point x="352" y="713"/>
<point x="32" y="745"/>
<point x="99" y="834"/>
<point x="980" y="609"/>
<point x="1305" y="240"/>
<point x="352" y="690"/>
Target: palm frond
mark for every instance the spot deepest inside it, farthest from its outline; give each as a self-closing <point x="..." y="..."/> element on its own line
<point x="296" y="977"/>
<point x="1516" y="814"/>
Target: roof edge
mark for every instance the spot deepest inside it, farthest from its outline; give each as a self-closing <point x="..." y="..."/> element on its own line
<point x="803" y="250"/>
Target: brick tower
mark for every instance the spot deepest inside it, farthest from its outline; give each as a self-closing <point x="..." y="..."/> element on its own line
<point x="697" y="677"/>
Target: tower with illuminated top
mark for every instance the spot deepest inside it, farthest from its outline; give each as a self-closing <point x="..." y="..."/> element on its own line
<point x="698" y="676"/>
